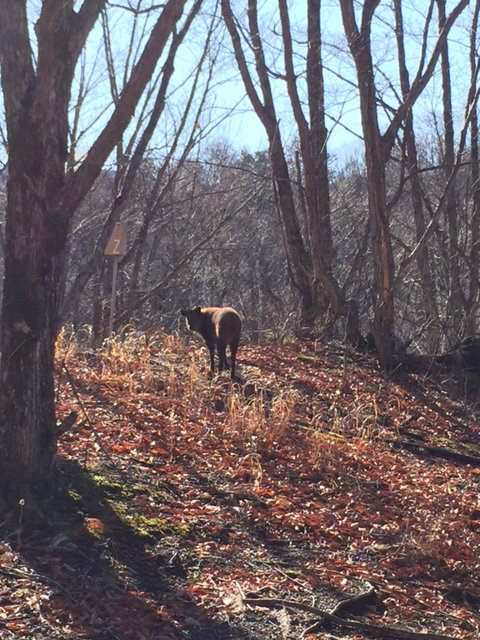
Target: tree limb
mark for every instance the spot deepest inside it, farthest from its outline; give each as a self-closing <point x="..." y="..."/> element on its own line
<point x="81" y="181"/>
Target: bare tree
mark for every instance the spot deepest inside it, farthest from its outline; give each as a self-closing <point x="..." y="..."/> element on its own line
<point x="378" y="148"/>
<point x="456" y="298"/>
<point x="456" y="306"/>
<point x="472" y="300"/>
<point x="41" y="200"/>
<point x="427" y="281"/>
<point x="309" y="251"/>
<point x="129" y="159"/>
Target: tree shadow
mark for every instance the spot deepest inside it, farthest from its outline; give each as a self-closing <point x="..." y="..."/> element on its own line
<point x="103" y="579"/>
<point x="446" y="394"/>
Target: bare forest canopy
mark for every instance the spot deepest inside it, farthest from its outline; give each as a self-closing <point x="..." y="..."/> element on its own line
<point x="254" y="174"/>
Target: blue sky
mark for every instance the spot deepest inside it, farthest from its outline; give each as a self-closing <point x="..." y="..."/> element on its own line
<point x="244" y="129"/>
<point x="341" y="96"/>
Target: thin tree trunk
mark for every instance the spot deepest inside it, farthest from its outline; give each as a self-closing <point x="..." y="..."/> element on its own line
<point x="456" y="298"/>
<point x="359" y="42"/>
<point x="299" y="258"/>
<point x="129" y="174"/>
<point x="377" y="153"/>
<point x="313" y="144"/>
<point x="474" y="261"/>
<point x="423" y="261"/>
<point x="309" y="260"/>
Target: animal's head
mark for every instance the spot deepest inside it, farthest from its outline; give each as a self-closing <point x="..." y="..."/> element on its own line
<point x="194" y="318"/>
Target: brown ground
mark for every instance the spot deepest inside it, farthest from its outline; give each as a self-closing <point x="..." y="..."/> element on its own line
<point x="179" y="497"/>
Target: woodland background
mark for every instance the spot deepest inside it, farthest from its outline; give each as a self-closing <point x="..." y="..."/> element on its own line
<point x="192" y="176"/>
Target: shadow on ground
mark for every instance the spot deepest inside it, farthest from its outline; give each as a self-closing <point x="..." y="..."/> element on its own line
<point x="94" y="577"/>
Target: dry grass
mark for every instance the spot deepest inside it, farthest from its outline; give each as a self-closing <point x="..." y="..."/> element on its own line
<point x="253" y="414"/>
<point x="171" y="366"/>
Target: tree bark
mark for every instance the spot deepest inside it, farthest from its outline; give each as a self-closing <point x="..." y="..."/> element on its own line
<point x="313" y="144"/>
<point x="41" y="200"/>
<point x="456" y="302"/>
<point x="474" y="289"/>
<point x="310" y="254"/>
<point x="299" y="258"/>
<point x="378" y="148"/>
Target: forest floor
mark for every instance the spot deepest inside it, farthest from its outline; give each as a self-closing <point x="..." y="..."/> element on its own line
<point x="190" y="507"/>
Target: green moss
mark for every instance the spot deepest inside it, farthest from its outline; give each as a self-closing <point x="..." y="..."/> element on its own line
<point x="459" y="447"/>
<point x="148" y="527"/>
<point x="311" y="360"/>
<point x="104" y="496"/>
<point x="75" y="496"/>
<point x="113" y="486"/>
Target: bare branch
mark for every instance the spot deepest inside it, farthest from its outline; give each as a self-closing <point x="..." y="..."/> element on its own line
<point x="81" y="181"/>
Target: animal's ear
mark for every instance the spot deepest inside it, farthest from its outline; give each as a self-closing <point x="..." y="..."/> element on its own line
<point x="198" y="309"/>
<point x="183" y="312"/>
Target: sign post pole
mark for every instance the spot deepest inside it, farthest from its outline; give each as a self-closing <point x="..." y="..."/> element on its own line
<point x="113" y="299"/>
<point x="116" y="247"/>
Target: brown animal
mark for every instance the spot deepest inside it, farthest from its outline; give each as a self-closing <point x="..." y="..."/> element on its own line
<point x="219" y="326"/>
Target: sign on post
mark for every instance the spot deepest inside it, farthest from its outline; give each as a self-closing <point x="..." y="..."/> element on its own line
<point x="116" y="247"/>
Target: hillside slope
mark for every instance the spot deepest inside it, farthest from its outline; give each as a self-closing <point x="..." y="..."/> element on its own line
<point x="312" y="480"/>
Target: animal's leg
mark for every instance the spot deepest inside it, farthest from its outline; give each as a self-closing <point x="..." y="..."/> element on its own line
<point x="211" y="348"/>
<point x="222" y="356"/>
<point x="233" y="351"/>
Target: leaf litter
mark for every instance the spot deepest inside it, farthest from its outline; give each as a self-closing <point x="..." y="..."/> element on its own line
<point x="182" y="497"/>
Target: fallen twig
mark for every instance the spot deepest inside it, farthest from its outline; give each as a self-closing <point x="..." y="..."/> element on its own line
<point x="440" y="452"/>
<point x="67" y="423"/>
<point x="385" y="632"/>
<point x="368" y="597"/>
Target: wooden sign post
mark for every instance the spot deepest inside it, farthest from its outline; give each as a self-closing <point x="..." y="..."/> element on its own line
<point x="116" y="247"/>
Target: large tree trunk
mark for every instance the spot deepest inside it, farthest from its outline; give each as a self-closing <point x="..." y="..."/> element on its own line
<point x="36" y="108"/>
<point x="41" y="200"/>
<point x="30" y="307"/>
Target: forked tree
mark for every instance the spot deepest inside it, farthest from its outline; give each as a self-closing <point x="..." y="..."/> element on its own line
<point x="309" y="249"/>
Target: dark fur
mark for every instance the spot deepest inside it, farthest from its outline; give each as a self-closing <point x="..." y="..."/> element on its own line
<point x="219" y="326"/>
